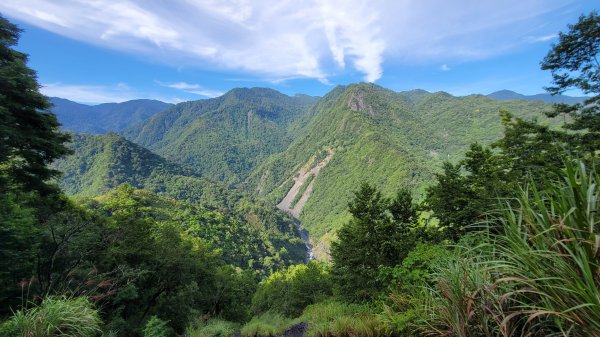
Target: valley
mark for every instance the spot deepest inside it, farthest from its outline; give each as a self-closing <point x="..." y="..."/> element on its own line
<point x="214" y="201"/>
<point x="302" y="154"/>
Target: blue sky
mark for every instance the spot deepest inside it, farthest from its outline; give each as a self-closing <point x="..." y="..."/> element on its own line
<point x="96" y="51"/>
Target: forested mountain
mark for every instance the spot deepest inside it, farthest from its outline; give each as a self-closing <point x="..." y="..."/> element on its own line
<point x="506" y="95"/>
<point x="304" y="154"/>
<point x="105" y="117"/>
<point x="100" y="163"/>
<point x="224" y="138"/>
<point x="446" y="216"/>
<point x="366" y="133"/>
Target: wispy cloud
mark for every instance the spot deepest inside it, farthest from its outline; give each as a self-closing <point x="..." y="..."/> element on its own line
<point x="83" y="93"/>
<point x="444" y="67"/>
<point x="290" y="39"/>
<point x="542" y="38"/>
<point x="195" y="89"/>
<point x="180" y="85"/>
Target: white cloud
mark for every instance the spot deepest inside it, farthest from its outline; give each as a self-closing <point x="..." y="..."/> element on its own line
<point x="83" y="93"/>
<point x="195" y="89"/>
<point x="206" y="93"/>
<point x="180" y="85"/>
<point x="542" y="38"/>
<point x="283" y="39"/>
<point x="444" y="67"/>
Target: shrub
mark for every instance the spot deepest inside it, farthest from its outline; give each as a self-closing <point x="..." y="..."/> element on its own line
<point x="156" y="327"/>
<point x="267" y="324"/>
<point x="213" y="328"/>
<point x="550" y="254"/>
<point x="289" y="291"/>
<point x="55" y="316"/>
<point x="341" y="319"/>
<point x="537" y="277"/>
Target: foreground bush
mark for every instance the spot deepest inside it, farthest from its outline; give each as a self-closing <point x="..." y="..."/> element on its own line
<point x="267" y="324"/>
<point x="340" y="319"/>
<point x="550" y="253"/>
<point x="290" y="290"/>
<point x="539" y="276"/>
<point x="55" y="316"/>
<point x="213" y="328"/>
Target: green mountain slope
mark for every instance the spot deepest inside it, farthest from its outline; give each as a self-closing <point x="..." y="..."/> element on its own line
<point x="101" y="163"/>
<point x="226" y="137"/>
<point x="103" y="118"/>
<point x="365" y="133"/>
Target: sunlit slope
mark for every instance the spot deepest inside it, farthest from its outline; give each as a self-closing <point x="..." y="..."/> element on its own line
<point x="379" y="136"/>
<point x="226" y="137"/>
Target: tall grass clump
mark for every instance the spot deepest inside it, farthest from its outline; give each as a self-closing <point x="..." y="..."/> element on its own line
<point x="332" y="318"/>
<point x="267" y="324"/>
<point x="213" y="328"/>
<point x="55" y="316"/>
<point x="464" y="301"/>
<point x="538" y="275"/>
<point x="549" y="253"/>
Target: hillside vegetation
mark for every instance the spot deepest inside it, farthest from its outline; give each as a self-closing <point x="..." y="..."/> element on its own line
<point x="460" y="218"/>
<point x="101" y="163"/>
<point x="224" y="138"/>
<point x="383" y="137"/>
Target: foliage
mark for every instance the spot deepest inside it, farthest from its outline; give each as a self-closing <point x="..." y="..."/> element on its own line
<point x="156" y="327"/>
<point x="465" y="193"/>
<point x="213" y="328"/>
<point x="417" y="269"/>
<point x="398" y="140"/>
<point x="55" y="316"/>
<point x="381" y="233"/>
<point x="573" y="62"/>
<point x="30" y="139"/>
<point x="249" y="232"/>
<point x="290" y="290"/>
<point x="267" y="324"/>
<point x="536" y="276"/>
<point x="333" y="318"/>
<point x="465" y="301"/>
<point x="152" y="265"/>
<point x="549" y="253"/>
<point x="223" y="138"/>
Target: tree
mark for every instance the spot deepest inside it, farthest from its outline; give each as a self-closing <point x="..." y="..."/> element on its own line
<point x="29" y="136"/>
<point x="574" y="64"/>
<point x="380" y="233"/>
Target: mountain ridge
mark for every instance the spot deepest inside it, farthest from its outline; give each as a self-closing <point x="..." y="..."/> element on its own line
<point x="547" y="98"/>
<point x="259" y="140"/>
<point x="224" y="138"/>
<point x="105" y="117"/>
<point x="387" y="138"/>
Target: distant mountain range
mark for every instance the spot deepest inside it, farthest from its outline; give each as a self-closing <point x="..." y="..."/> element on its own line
<point x="505" y="95"/>
<point x="103" y="118"/>
<point x="305" y="154"/>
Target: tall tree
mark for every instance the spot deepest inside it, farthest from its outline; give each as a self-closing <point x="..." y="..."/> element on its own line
<point x="29" y="136"/>
<point x="380" y="233"/>
<point x="29" y="141"/>
<point x="574" y="64"/>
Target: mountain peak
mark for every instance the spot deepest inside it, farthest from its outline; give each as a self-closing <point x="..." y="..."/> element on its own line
<point x="357" y="102"/>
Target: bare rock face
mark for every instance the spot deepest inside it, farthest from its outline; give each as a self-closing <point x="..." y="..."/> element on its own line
<point x="357" y="103"/>
<point x="296" y="330"/>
